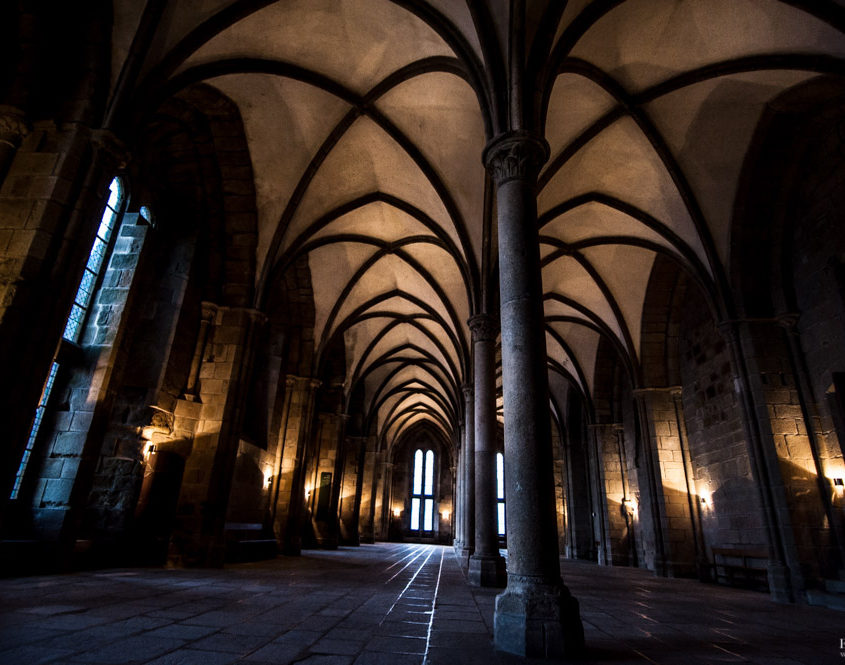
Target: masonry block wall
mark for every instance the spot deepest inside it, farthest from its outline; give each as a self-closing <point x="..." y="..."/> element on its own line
<point x="349" y="502"/>
<point x="785" y="435"/>
<point x="50" y="202"/>
<point x="818" y="273"/>
<point x="69" y="437"/>
<point x="368" y="491"/>
<point x="674" y="500"/>
<point x="322" y="482"/>
<point x="618" y="503"/>
<point x="204" y="494"/>
<point x="731" y="514"/>
<point x="293" y="439"/>
<point x="250" y="495"/>
<point x="560" y="475"/>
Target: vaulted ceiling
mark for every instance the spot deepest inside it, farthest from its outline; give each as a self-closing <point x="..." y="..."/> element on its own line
<point x="366" y="121"/>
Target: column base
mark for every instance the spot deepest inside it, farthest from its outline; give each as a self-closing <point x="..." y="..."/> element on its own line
<point x="487" y="571"/>
<point x="538" y="620"/>
<point x="780" y="587"/>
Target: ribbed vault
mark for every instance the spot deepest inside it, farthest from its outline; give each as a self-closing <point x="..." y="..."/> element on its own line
<point x="366" y="121"/>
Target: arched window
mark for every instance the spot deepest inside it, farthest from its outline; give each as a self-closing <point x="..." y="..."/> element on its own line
<point x="422" y="491"/>
<point x="76" y="320"/>
<point x="500" y="493"/>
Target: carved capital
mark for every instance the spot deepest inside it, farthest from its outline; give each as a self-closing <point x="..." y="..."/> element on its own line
<point x="13" y="127"/>
<point x="209" y="310"/>
<point x="788" y="321"/>
<point x="515" y="155"/>
<point x="484" y="327"/>
<point x="112" y="147"/>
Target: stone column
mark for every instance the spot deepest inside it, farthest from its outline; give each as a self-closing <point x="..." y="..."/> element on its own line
<point x="468" y="490"/>
<point x="535" y="615"/>
<point x="368" y="491"/>
<point x="208" y="312"/>
<point x="304" y="408"/>
<point x="486" y="566"/>
<point x="198" y="537"/>
<point x="675" y="511"/>
<point x="458" y="493"/>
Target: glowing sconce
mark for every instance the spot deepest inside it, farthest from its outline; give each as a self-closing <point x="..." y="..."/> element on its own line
<point x="396" y="512"/>
<point x="268" y="478"/>
<point x="839" y="486"/>
<point x="445" y="515"/>
<point x="706" y="499"/>
<point x="149" y="449"/>
<point x="630" y="507"/>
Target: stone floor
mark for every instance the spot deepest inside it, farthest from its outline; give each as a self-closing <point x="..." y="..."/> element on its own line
<point x="385" y="604"/>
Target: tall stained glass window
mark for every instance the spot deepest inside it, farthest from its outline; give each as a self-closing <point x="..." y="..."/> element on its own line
<point x="422" y="491"/>
<point x="500" y="493"/>
<point x="78" y="313"/>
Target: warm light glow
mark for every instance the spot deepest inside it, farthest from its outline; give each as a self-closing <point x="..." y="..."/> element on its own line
<point x="149" y="448"/>
<point x="445" y="514"/>
<point x="630" y="506"/>
<point x="706" y="498"/>
<point x="839" y="485"/>
<point x="268" y="477"/>
<point x="396" y="512"/>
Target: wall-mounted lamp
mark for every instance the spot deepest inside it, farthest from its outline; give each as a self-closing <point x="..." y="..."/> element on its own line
<point x="445" y="515"/>
<point x="630" y="506"/>
<point x="839" y="485"/>
<point x="268" y="478"/>
<point x="149" y="449"/>
<point x="396" y="512"/>
<point x="705" y="498"/>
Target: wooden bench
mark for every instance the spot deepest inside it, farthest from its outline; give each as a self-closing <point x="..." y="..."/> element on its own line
<point x="744" y="567"/>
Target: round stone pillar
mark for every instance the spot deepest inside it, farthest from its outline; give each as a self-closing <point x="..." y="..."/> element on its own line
<point x="486" y="566"/>
<point x="535" y="615"/>
<point x="468" y="490"/>
<point x="458" y="485"/>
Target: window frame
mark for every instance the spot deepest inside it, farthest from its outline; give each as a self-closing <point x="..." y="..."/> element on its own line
<point x="72" y="342"/>
<point x="423" y="499"/>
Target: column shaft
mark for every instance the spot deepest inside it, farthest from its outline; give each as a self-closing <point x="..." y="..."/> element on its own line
<point x="486" y="566"/>
<point x="535" y="615"/>
<point x="468" y="493"/>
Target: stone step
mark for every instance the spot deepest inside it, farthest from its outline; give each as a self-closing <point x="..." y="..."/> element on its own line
<point x="833" y="601"/>
<point x="834" y="586"/>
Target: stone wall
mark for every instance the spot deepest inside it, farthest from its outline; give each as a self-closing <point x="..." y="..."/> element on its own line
<point x="731" y="513"/>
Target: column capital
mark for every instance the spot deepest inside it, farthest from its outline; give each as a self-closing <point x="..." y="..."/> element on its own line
<point x="674" y="391"/>
<point x="13" y="127"/>
<point x="208" y="310"/>
<point x="615" y="427"/>
<point x="484" y="327"/>
<point x="108" y="144"/>
<point x="515" y="155"/>
<point x="788" y="321"/>
<point x="307" y="381"/>
<point x="468" y="391"/>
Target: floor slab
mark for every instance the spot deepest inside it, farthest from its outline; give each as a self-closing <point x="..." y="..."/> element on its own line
<point x="391" y="604"/>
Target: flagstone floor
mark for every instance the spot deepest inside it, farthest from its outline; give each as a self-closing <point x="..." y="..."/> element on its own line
<point x="386" y="604"/>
